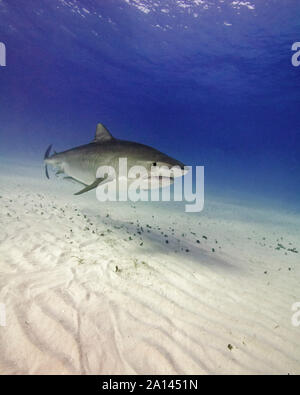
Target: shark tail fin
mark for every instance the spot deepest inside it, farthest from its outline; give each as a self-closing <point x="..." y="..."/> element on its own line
<point x="46" y="156"/>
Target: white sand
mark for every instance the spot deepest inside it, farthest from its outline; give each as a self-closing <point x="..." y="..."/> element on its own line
<point x="164" y="310"/>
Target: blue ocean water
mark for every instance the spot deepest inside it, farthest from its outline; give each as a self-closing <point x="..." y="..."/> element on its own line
<point x="210" y="82"/>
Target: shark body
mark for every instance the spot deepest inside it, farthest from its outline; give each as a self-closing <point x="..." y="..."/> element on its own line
<point x="81" y="163"/>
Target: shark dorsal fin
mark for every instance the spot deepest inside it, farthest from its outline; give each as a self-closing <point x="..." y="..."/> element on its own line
<point x="102" y="134"/>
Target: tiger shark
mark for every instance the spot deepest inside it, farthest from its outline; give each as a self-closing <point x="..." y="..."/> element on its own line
<point x="82" y="163"/>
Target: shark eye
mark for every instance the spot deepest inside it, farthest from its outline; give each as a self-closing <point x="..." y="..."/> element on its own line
<point x="154" y="164"/>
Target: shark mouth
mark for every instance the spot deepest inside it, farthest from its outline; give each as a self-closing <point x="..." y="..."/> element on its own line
<point x="154" y="182"/>
<point x="162" y="177"/>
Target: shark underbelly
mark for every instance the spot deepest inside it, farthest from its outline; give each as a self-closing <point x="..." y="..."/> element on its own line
<point x="83" y="174"/>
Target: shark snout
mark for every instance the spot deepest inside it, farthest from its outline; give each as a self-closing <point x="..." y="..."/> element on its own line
<point x="180" y="170"/>
<point x="183" y="168"/>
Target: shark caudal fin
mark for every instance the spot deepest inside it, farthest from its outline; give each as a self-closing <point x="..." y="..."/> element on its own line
<point x="46" y="156"/>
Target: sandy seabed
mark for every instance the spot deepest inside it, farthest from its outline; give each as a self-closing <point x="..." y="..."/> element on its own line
<point x="122" y="288"/>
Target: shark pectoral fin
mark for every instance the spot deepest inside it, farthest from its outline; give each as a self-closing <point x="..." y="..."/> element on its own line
<point x="73" y="179"/>
<point x="90" y="187"/>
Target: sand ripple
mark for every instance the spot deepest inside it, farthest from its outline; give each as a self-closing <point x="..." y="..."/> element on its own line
<point x="88" y="292"/>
